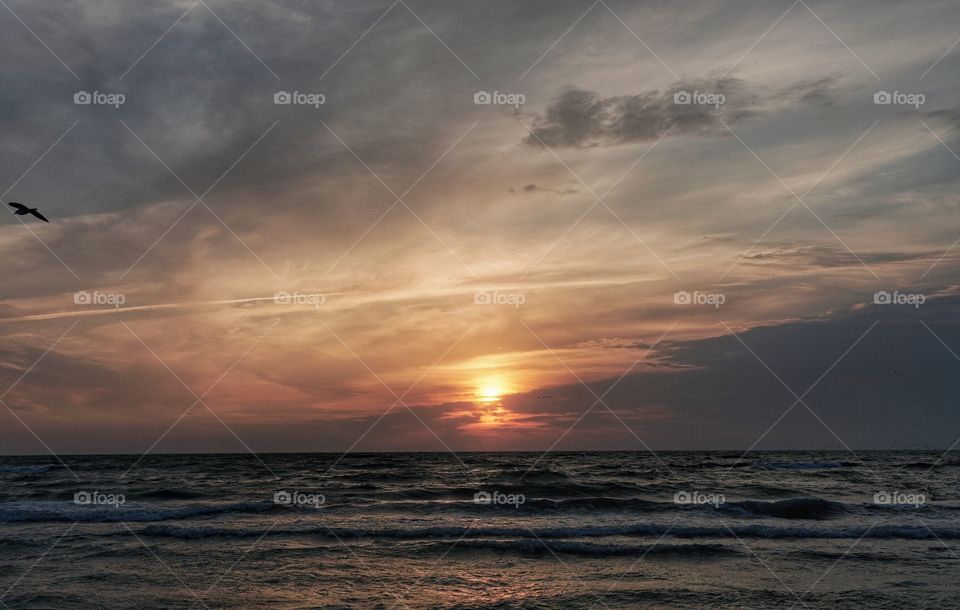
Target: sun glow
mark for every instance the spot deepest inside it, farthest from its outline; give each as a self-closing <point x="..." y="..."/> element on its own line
<point x="490" y="390"/>
<point x="490" y="393"/>
<point x="488" y="414"/>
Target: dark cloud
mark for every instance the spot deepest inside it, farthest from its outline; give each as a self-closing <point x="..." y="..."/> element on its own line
<point x="536" y="188"/>
<point x="830" y="256"/>
<point x="821" y="91"/>
<point x="200" y="98"/>
<point x="888" y="392"/>
<point x="950" y="117"/>
<point x="578" y="118"/>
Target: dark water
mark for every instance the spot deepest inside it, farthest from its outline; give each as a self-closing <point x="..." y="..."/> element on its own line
<point x="570" y="530"/>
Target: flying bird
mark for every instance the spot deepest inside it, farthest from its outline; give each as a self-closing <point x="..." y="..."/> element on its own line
<point x="22" y="210"/>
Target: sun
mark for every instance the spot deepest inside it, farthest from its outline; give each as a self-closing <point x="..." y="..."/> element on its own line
<point x="490" y="390"/>
<point x="490" y="393"/>
<point x="488" y="413"/>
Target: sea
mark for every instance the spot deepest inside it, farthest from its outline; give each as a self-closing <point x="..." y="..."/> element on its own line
<point x="482" y="530"/>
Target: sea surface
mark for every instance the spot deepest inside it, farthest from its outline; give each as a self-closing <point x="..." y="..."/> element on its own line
<point x="482" y="530"/>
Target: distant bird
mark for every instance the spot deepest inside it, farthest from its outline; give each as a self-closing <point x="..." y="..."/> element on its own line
<point x="22" y="210"/>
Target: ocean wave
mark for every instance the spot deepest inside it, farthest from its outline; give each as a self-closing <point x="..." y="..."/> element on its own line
<point x="908" y="532"/>
<point x="530" y="505"/>
<point x="165" y="494"/>
<point x="592" y="549"/>
<point x="804" y="507"/>
<point x="799" y="465"/>
<point x="595" y="503"/>
<point x="925" y="466"/>
<point x="560" y="490"/>
<point x="791" y="508"/>
<point x="18" y="512"/>
<point x="50" y="492"/>
<point x="27" y="469"/>
<point x="537" y="474"/>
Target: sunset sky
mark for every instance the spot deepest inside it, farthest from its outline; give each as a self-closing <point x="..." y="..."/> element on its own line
<point x="396" y="209"/>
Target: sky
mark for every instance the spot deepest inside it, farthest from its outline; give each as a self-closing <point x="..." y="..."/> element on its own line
<point x="479" y="226"/>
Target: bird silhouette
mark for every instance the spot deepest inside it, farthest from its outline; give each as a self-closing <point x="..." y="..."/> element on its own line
<point x="22" y="210"/>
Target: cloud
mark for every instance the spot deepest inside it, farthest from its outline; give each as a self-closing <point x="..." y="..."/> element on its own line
<point x="951" y="117"/>
<point x="536" y="188"/>
<point x="580" y="119"/>
<point x="882" y="393"/>
<point x="304" y="205"/>
<point x="821" y="91"/>
<point x="831" y="256"/>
